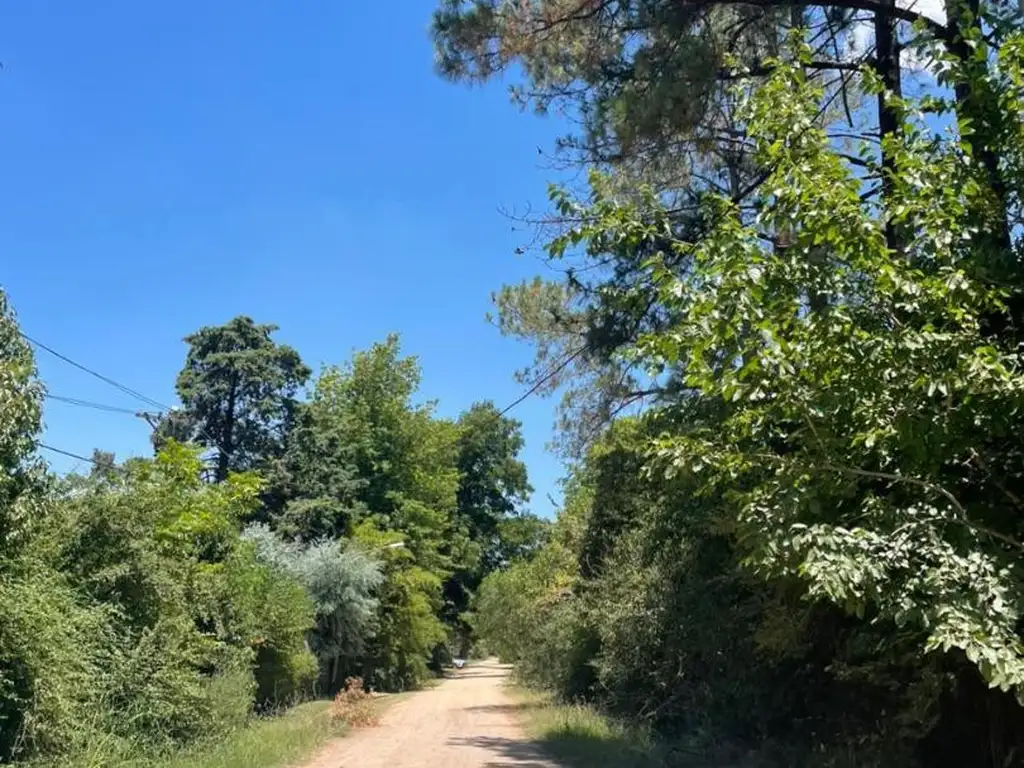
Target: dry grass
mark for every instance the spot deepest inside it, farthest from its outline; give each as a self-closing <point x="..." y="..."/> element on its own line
<point x="355" y="706"/>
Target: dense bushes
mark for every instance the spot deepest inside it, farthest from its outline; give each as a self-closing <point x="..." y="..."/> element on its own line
<point x="138" y="610"/>
<point x="54" y="648"/>
<point x="810" y="542"/>
<point x="130" y="608"/>
<point x="667" y="629"/>
<point x="160" y="602"/>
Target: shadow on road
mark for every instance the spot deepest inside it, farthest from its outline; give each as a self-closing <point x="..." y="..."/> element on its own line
<point x="511" y="752"/>
<point x="503" y="709"/>
<point x="566" y="749"/>
<point x="567" y="743"/>
<point x="464" y="674"/>
<point x="579" y="750"/>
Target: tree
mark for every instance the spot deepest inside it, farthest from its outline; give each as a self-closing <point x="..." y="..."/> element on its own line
<point x="492" y="479"/>
<point x="846" y="447"/>
<point x="644" y="79"/>
<point x="853" y="439"/>
<point x="368" y="464"/>
<point x="521" y="536"/>
<point x="103" y="463"/>
<point x="20" y="423"/>
<point x="343" y="582"/>
<point x="652" y="83"/>
<point x="493" y="486"/>
<point x="238" y="391"/>
<point x="825" y="336"/>
<point x="654" y="87"/>
<point x="403" y="457"/>
<point x="524" y="613"/>
<point x="315" y="490"/>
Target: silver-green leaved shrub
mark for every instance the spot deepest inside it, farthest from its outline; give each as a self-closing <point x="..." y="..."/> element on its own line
<point x="342" y="582"/>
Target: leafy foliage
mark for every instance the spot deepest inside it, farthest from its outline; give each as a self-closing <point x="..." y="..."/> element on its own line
<point x="53" y="648"/>
<point x="490" y="527"/>
<point x="20" y="413"/>
<point x="342" y="584"/>
<point x="130" y="606"/>
<point x="237" y="389"/>
<point x="827" y="489"/>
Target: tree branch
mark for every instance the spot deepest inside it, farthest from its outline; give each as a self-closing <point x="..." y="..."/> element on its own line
<point x="760" y="70"/>
<point x="903" y="14"/>
<point x="927" y="485"/>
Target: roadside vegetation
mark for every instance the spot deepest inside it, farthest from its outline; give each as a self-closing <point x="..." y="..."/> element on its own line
<point x="785" y="316"/>
<point x="785" y="319"/>
<point x="580" y="736"/>
<point x="287" y="535"/>
<point x="272" y="741"/>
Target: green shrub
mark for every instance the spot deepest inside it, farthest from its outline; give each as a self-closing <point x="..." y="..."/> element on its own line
<point x="176" y="685"/>
<point x="145" y="616"/>
<point x="53" y="650"/>
<point x="409" y="629"/>
<point x="268" y="742"/>
<point x="284" y="676"/>
<point x="269" y="611"/>
<point x="339" y="586"/>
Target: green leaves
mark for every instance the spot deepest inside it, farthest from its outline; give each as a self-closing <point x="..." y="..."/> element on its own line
<point x="238" y="390"/>
<point x="859" y="398"/>
<point x="20" y="422"/>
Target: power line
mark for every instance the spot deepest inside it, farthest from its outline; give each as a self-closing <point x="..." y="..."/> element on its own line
<point x="106" y="379"/>
<point x="67" y="453"/>
<point x="544" y="379"/>
<point x="90" y="404"/>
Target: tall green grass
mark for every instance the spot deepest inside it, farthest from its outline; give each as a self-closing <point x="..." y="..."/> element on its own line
<point x="580" y="737"/>
<point x="270" y="742"/>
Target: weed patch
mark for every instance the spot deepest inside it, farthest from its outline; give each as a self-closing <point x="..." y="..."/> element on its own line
<point x="355" y="706"/>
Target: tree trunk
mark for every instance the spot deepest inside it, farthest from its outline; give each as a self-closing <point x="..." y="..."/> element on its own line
<point x="887" y="65"/>
<point x="226" y="447"/>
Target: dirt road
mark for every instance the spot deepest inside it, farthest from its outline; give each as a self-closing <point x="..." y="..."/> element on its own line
<point x="468" y="721"/>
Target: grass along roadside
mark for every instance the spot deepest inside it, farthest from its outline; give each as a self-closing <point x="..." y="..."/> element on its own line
<point x="580" y="737"/>
<point x="273" y="742"/>
<point x="267" y="742"/>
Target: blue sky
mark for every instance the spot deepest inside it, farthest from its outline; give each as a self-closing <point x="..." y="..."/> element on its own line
<point x="168" y="166"/>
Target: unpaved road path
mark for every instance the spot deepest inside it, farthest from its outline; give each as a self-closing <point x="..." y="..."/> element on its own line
<point x="468" y="721"/>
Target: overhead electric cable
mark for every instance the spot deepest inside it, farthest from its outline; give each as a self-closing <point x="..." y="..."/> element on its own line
<point x="90" y="404"/>
<point x="127" y="390"/>
<point x="66" y="453"/>
<point x="550" y="374"/>
<point x="106" y="379"/>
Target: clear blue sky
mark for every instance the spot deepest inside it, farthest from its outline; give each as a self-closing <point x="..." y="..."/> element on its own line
<point x="170" y="165"/>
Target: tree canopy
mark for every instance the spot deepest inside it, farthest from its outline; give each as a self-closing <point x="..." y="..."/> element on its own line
<point x="238" y="391"/>
<point x="790" y="347"/>
<point x="153" y="603"/>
